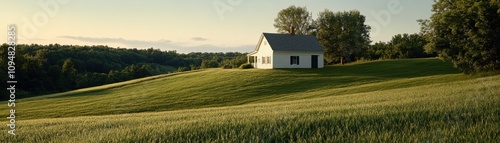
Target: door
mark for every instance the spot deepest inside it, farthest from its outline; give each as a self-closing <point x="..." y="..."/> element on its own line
<point x="314" y="61"/>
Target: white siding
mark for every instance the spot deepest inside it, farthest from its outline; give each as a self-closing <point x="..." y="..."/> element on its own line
<point x="321" y="60"/>
<point x="264" y="51"/>
<point x="281" y="59"/>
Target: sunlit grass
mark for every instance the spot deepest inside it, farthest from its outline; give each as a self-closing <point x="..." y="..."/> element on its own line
<point x="352" y="103"/>
<point x="218" y="87"/>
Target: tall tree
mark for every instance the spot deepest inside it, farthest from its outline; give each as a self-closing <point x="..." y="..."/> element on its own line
<point x="298" y="17"/>
<point x="68" y="67"/>
<point x="467" y="32"/>
<point x="69" y="74"/>
<point x="343" y="34"/>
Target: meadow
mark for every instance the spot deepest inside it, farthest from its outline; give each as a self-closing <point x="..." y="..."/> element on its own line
<point x="416" y="100"/>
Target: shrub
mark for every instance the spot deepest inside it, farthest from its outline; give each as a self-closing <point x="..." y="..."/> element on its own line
<point x="182" y="69"/>
<point x="246" y="66"/>
<point x="227" y="67"/>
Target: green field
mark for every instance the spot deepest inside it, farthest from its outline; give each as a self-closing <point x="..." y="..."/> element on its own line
<point x="417" y="100"/>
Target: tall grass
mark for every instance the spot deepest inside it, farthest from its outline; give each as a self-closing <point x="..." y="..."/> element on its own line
<point x="422" y="100"/>
<point x="461" y="111"/>
<point x="217" y="87"/>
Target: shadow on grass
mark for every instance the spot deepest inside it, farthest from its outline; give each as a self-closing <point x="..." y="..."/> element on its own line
<point x="103" y="89"/>
<point x="387" y="69"/>
<point x="292" y="81"/>
<point x="270" y="84"/>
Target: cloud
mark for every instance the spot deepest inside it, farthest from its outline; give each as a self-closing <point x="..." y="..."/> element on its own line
<point x="213" y="48"/>
<point x="133" y="43"/>
<point x="163" y="44"/>
<point x="199" y="39"/>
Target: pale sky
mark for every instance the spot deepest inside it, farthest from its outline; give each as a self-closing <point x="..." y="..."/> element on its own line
<point x="187" y="25"/>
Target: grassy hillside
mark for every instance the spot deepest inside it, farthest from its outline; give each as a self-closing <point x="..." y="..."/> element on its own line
<point x="217" y="87"/>
<point x="398" y="100"/>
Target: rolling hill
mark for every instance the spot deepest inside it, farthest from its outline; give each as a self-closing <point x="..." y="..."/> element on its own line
<point x="393" y="100"/>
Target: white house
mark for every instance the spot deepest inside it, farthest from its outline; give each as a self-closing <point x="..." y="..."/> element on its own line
<point x="287" y="51"/>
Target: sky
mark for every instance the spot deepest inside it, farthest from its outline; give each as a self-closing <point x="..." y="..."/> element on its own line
<point x="187" y="25"/>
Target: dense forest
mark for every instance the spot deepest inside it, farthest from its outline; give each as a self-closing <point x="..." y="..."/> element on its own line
<point x="42" y="69"/>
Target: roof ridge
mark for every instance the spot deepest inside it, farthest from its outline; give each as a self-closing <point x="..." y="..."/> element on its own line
<point x="288" y="42"/>
<point x="286" y="34"/>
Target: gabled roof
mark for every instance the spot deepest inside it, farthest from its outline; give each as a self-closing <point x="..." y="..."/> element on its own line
<point x="288" y="42"/>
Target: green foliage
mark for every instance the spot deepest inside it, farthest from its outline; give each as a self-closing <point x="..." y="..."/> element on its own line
<point x="213" y="63"/>
<point x="68" y="72"/>
<point x="344" y="35"/>
<point x="381" y="101"/>
<point x="298" y="17"/>
<point x="407" y="46"/>
<point x="401" y="46"/>
<point x="465" y="32"/>
<point x="377" y="51"/>
<point x="92" y="79"/>
<point x="182" y="69"/>
<point x="246" y="66"/>
<point x="68" y="68"/>
<point x="193" y="67"/>
<point x="234" y="63"/>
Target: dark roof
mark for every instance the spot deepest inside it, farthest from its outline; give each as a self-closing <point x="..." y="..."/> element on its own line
<point x="287" y="42"/>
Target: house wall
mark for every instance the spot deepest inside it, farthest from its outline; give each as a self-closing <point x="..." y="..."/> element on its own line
<point x="264" y="51"/>
<point x="281" y="59"/>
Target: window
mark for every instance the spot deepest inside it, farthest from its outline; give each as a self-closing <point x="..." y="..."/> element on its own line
<point x="266" y="60"/>
<point x="294" y="60"/>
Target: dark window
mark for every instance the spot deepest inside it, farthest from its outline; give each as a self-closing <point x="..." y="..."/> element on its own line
<point x="294" y="60"/>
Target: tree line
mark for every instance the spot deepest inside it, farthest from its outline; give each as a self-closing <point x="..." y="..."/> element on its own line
<point x="464" y="32"/>
<point x="43" y="69"/>
<point x="345" y="36"/>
